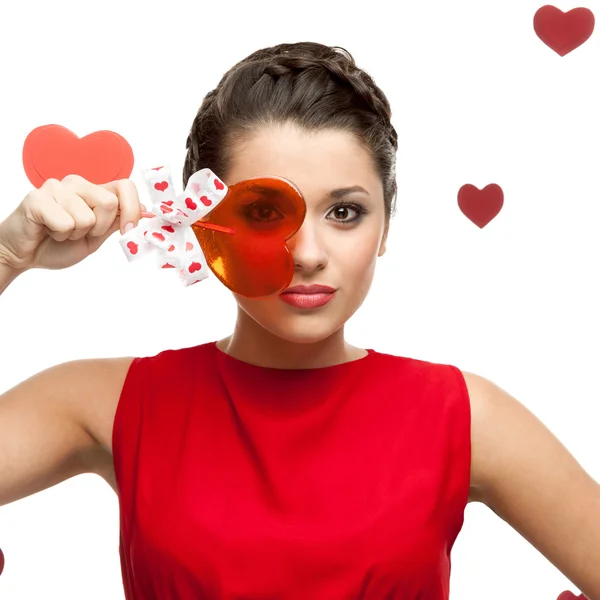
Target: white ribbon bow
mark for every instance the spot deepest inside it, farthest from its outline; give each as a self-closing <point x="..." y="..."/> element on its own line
<point x="169" y="234"/>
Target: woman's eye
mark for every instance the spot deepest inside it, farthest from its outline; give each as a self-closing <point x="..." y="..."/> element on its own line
<point x="263" y="213"/>
<point x="346" y="213"/>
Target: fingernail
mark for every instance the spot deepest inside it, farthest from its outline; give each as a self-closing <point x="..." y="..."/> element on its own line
<point x="128" y="227"/>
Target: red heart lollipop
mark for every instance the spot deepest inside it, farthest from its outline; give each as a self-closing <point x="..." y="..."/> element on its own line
<point x="264" y="213"/>
<point x="53" y="152"/>
<point x="237" y="232"/>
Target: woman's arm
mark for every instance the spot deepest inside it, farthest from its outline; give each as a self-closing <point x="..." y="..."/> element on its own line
<point x="7" y="276"/>
<point x="50" y="425"/>
<point x="530" y="480"/>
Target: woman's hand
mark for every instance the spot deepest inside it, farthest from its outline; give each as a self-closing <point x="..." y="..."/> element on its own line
<point x="63" y="222"/>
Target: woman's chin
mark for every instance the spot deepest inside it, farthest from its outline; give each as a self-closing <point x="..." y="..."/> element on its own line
<point x="303" y="332"/>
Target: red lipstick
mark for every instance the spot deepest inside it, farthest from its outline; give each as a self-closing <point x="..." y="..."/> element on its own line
<point x="307" y="296"/>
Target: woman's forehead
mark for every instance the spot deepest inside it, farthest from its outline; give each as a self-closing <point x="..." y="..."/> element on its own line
<point x="316" y="162"/>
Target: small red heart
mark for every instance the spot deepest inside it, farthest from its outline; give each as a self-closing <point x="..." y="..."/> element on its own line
<point x="168" y="228"/>
<point x="567" y="595"/>
<point x="53" y="152"/>
<point x="133" y="247"/>
<point x="191" y="204"/>
<point x="165" y="209"/>
<point x="161" y="186"/>
<point x="158" y="236"/>
<point x="480" y="206"/>
<point x="563" y="32"/>
<point x="167" y="266"/>
<point x="205" y="201"/>
<point x="168" y="202"/>
<point x="219" y="185"/>
<point x="189" y="246"/>
<point x="195" y="267"/>
<point x="171" y="248"/>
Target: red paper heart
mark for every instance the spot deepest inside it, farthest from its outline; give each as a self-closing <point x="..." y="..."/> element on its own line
<point x="570" y="596"/>
<point x="480" y="206"/>
<point x="563" y="32"/>
<point x="53" y="152"/>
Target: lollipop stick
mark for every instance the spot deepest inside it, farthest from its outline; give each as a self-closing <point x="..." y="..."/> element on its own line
<point x="215" y="227"/>
<point x="203" y="224"/>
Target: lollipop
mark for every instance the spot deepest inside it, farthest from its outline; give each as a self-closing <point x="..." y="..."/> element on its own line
<point x="239" y="233"/>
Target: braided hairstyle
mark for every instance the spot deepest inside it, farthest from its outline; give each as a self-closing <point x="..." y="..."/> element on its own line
<point x="311" y="85"/>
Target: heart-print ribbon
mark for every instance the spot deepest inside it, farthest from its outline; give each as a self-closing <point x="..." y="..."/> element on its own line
<point x="169" y="234"/>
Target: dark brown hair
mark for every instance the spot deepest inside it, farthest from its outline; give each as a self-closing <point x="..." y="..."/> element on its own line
<point x="311" y="85"/>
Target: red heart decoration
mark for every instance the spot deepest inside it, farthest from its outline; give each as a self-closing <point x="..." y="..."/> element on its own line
<point x="191" y="204"/>
<point x="563" y="32"/>
<point x="570" y="596"/>
<point x="480" y="206"/>
<point x="53" y="152"/>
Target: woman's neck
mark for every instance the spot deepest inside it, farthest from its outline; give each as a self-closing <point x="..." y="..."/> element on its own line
<point x="273" y="352"/>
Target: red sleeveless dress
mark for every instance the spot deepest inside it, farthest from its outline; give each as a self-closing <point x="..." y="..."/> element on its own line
<point x="239" y="482"/>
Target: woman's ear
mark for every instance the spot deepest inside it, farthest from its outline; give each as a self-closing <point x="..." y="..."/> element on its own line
<point x="382" y="245"/>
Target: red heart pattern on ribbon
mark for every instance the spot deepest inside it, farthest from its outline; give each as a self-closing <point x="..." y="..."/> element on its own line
<point x="170" y="231"/>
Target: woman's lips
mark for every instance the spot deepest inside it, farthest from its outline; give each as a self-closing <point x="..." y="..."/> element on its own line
<point x="306" y="300"/>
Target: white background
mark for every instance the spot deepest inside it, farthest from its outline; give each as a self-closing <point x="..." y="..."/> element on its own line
<point x="477" y="98"/>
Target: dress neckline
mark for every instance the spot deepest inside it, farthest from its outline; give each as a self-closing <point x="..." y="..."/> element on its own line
<point x="340" y="366"/>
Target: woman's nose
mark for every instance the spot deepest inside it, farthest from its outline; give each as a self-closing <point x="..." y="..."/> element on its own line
<point x="308" y="250"/>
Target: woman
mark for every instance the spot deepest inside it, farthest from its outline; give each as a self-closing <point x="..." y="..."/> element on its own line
<point x="281" y="461"/>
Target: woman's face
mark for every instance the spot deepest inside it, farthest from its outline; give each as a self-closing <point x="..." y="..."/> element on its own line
<point x="341" y="236"/>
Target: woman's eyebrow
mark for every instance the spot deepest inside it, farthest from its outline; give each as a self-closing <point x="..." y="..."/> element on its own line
<point x="342" y="192"/>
